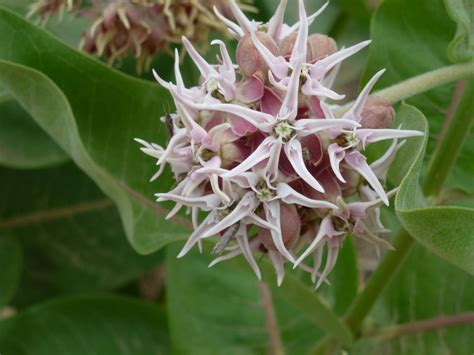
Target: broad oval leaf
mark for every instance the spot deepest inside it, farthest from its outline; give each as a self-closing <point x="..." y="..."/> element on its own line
<point x="228" y="313"/>
<point x="416" y="45"/>
<point x="23" y="144"/>
<point x="93" y="112"/>
<point x="93" y="325"/>
<point x="426" y="288"/>
<point x="71" y="234"/>
<point x="446" y="231"/>
<point x="10" y="267"/>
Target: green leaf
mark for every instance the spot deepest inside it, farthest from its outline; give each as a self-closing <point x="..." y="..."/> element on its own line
<point x="213" y="311"/>
<point x="10" y="267"/>
<point x="446" y="231"/>
<point x="93" y="112"/>
<point x="416" y="46"/>
<point x="356" y="8"/>
<point x="412" y="47"/>
<point x="461" y="49"/>
<point x="23" y="144"/>
<point x="226" y="313"/>
<point x="425" y="288"/>
<point x="93" y="325"/>
<point x="71" y="234"/>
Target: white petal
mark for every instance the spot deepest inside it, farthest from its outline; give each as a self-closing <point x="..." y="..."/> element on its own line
<point x="359" y="163"/>
<point x="290" y="196"/>
<point x="277" y="262"/>
<point x="294" y="152"/>
<point x="243" y="242"/>
<point x="336" y="155"/>
<point x="356" y="109"/>
<point x="272" y="212"/>
<point x="276" y="22"/>
<point x="325" y="228"/>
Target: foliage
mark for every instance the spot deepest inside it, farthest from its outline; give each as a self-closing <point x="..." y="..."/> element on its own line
<point x="77" y="212"/>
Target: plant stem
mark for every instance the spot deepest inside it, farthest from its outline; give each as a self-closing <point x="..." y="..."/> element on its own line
<point x="422" y="83"/>
<point x="387" y="268"/>
<point x="451" y="143"/>
<point x="420" y="326"/>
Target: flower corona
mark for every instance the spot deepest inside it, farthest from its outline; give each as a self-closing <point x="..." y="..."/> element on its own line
<point x="260" y="157"/>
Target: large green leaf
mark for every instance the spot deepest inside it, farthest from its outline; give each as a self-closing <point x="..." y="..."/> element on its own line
<point x="93" y="325"/>
<point x="10" y="267"/>
<point x="23" y="144"/>
<point x="461" y="49"/>
<point x="416" y="45"/>
<point x="425" y="288"/>
<point x="213" y="311"/>
<point x="71" y="234"/>
<point x="410" y="38"/>
<point x="218" y="310"/>
<point x="447" y="231"/>
<point x="93" y="112"/>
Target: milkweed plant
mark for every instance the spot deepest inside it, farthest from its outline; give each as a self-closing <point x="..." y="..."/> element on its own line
<point x="236" y="177"/>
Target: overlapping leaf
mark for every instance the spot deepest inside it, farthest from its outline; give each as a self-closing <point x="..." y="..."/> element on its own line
<point x="71" y="234"/>
<point x="93" y="325"/>
<point x="93" y="113"/>
<point x="10" y="267"/>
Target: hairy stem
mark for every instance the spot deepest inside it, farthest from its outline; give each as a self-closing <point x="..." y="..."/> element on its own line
<point x="422" y="83"/>
<point x="421" y="326"/>
<point x="451" y="142"/>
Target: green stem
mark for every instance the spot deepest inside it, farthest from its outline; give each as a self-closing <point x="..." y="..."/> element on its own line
<point x="451" y="143"/>
<point x="440" y="165"/>
<point x="422" y="83"/>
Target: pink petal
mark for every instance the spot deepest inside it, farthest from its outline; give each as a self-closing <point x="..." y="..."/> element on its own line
<point x="277" y="262"/>
<point x="204" y="67"/>
<point x="290" y="196"/>
<point x="276" y="22"/>
<point x="272" y="212"/>
<point x="356" y="109"/>
<point x="293" y="151"/>
<point x="376" y="135"/>
<point x="243" y="242"/>
<point x="270" y="102"/>
<point x="313" y="125"/>
<point x="250" y="90"/>
<point x="315" y="107"/>
<point x="298" y="53"/>
<point x="359" y="163"/>
<point x="278" y="65"/>
<point x="336" y="155"/>
<point x="260" y="154"/>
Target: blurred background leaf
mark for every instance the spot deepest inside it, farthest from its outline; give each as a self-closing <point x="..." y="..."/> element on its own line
<point x="95" y="123"/>
<point x="23" y="144"/>
<point x="71" y="234"/>
<point x="426" y="288"/>
<point x="10" y="267"/>
<point x="93" y="325"/>
<point x="461" y="49"/>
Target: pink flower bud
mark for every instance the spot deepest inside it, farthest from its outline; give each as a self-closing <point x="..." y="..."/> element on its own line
<point x="248" y="57"/>
<point x="290" y="228"/>
<point x="320" y="46"/>
<point x="288" y="43"/>
<point x="377" y="113"/>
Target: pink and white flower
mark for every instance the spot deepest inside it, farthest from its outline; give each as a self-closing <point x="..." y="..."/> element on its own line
<point x="263" y="157"/>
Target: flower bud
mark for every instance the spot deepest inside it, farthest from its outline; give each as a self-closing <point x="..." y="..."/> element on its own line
<point x="290" y="228"/>
<point x="249" y="59"/>
<point x="320" y="46"/>
<point x="377" y="113"/>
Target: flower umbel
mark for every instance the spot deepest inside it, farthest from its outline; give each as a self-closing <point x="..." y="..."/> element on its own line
<point x="258" y="149"/>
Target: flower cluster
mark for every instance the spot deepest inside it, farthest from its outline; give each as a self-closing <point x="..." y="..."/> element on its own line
<point x="259" y="149"/>
<point x="140" y="27"/>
